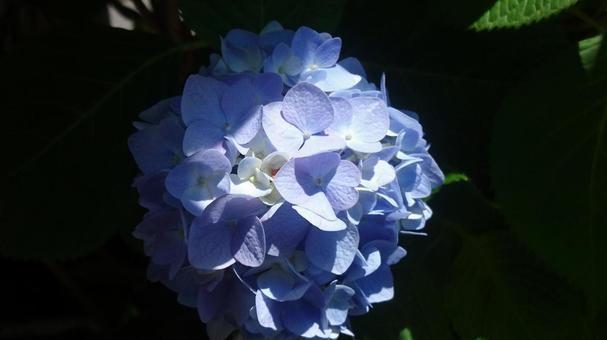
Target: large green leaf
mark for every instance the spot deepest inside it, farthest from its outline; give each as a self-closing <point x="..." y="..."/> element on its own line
<point x="516" y="13"/>
<point x="549" y="157"/>
<point x="212" y="18"/>
<point x="69" y="100"/>
<point x="469" y="278"/>
<point x="498" y="291"/>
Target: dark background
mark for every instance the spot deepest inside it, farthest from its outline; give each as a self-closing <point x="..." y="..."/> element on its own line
<point x="517" y="119"/>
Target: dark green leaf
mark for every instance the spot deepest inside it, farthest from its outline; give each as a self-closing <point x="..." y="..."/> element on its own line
<point x="70" y="100"/>
<point x="516" y="13"/>
<point x="496" y="290"/>
<point x="549" y="164"/>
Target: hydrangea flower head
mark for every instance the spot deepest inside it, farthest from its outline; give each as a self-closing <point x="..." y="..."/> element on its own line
<point x="277" y="186"/>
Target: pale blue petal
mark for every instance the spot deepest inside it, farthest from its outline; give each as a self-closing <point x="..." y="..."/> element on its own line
<point x="308" y="108"/>
<point x="364" y="147"/>
<point x="318" y="204"/>
<point x="283" y="136"/>
<point x="342" y="117"/>
<point x="331" y="79"/>
<point x="319" y="221"/>
<point x="384" y="89"/>
<point x="370" y="119"/>
<point x="320" y="144"/>
<point x="341" y="197"/>
<point x="304" y="44"/>
<point x="327" y="54"/>
<point x="346" y="174"/>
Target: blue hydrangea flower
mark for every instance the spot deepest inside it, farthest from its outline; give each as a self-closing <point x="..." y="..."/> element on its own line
<point x="319" y="186"/>
<point x="228" y="231"/>
<point x="198" y="180"/>
<point x="277" y="186"/>
<point x="214" y="111"/>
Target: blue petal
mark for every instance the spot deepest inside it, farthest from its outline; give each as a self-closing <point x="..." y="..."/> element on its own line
<point x="332" y="251"/>
<point x="200" y="100"/>
<point x="284" y="228"/>
<point x="238" y="99"/>
<point x="210" y="303"/>
<point x="161" y="110"/>
<point x="241" y="51"/>
<point x="354" y="66"/>
<point x="338" y="303"/>
<point x="302" y="319"/>
<point x="151" y="190"/>
<point x="379" y="286"/>
<point x="246" y="127"/>
<point x="157" y="147"/>
<point x="282" y="285"/>
<point x="232" y="207"/>
<point x="268" y="312"/>
<point x="340" y="190"/>
<point x="304" y="44"/>
<point x="248" y="243"/>
<point x="200" y="136"/>
<point x="268" y="88"/>
<point x="209" y="245"/>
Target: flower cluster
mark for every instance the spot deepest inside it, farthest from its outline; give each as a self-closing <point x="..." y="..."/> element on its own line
<point x="277" y="186"/>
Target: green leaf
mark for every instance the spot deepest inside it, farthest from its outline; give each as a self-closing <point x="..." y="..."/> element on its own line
<point x="455" y="177"/>
<point x="516" y="13"/>
<point x="72" y="97"/>
<point x="498" y="291"/>
<point x="593" y="51"/>
<point x="549" y="160"/>
<point x="588" y="50"/>
<point x="212" y="18"/>
<point x="405" y="334"/>
<point x="471" y="279"/>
